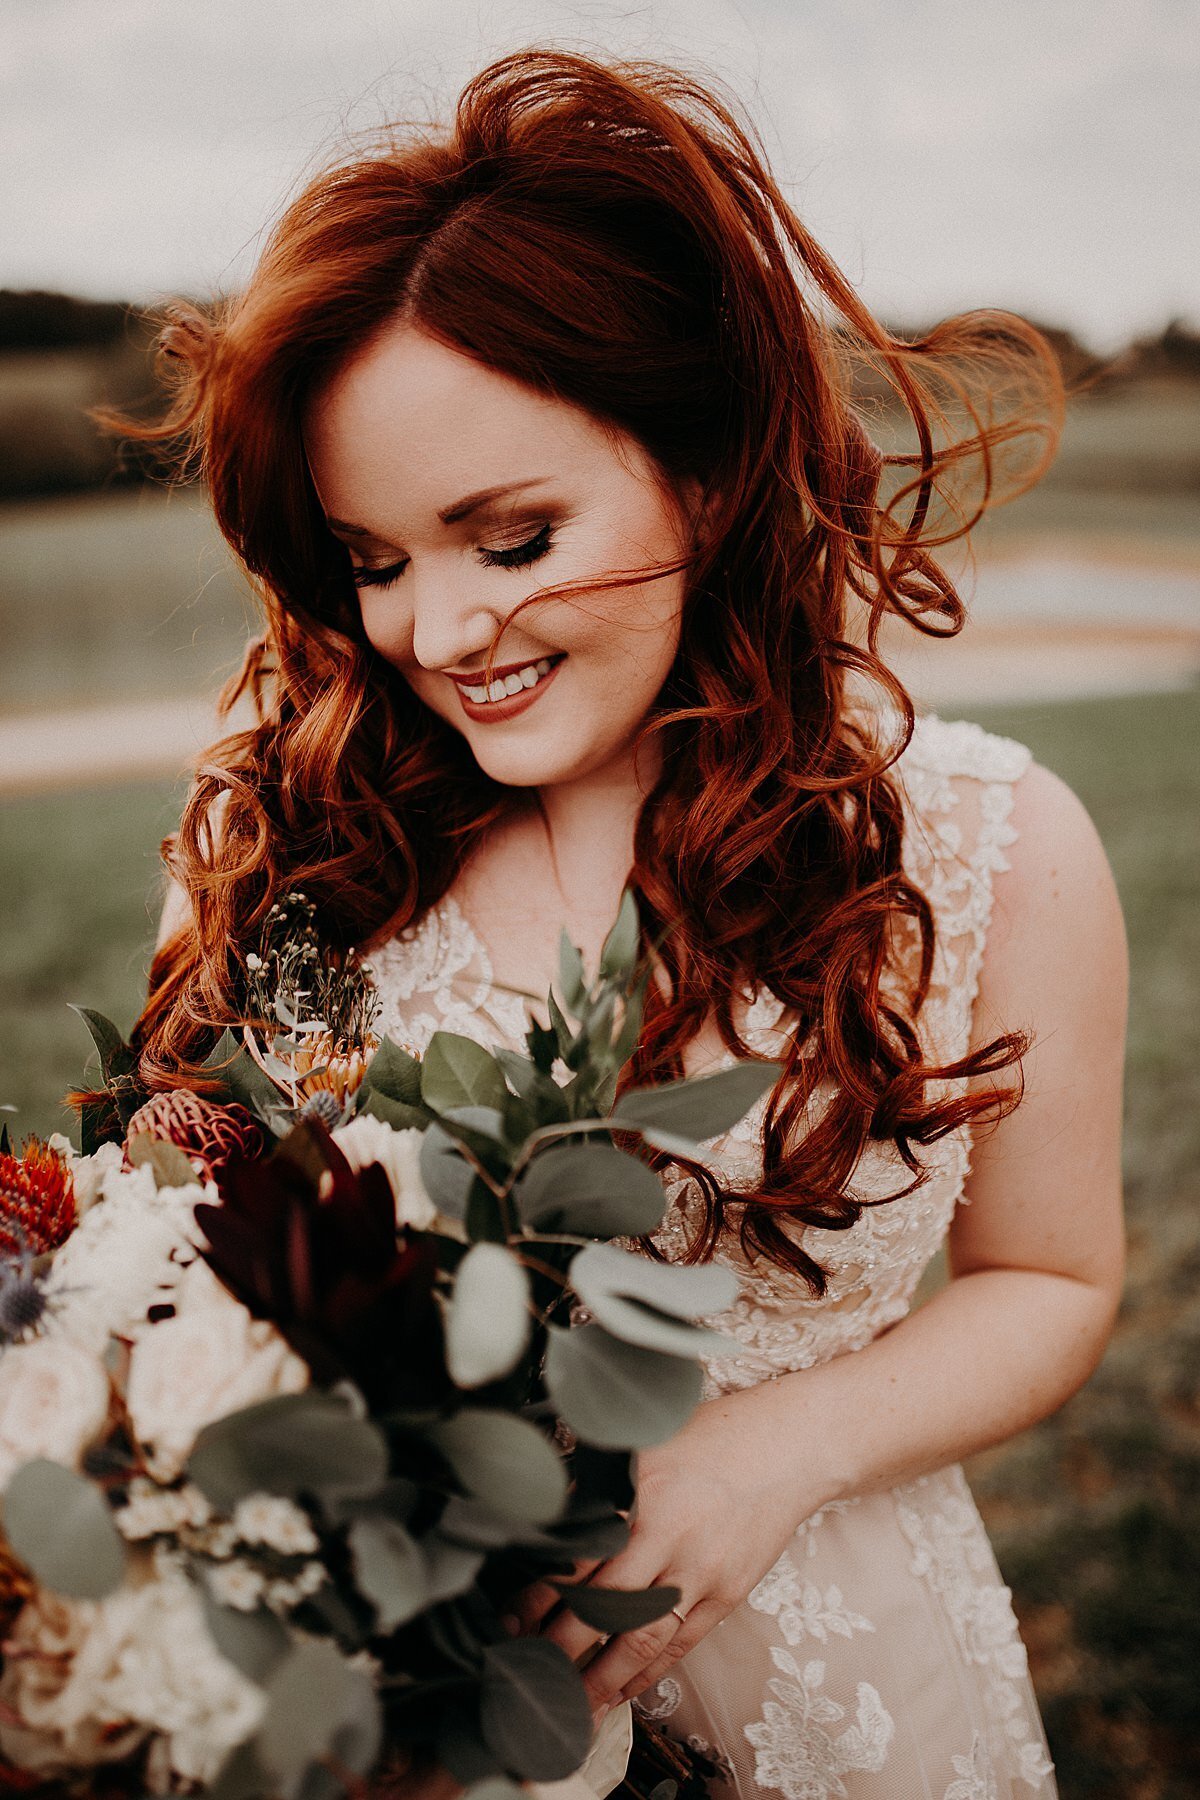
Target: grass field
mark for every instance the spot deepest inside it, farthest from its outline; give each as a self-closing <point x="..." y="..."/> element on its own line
<point x="1096" y="1512"/>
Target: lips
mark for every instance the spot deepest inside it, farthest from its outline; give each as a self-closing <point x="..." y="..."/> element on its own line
<point x="499" y="672"/>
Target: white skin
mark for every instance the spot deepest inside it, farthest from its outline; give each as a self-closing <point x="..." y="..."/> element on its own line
<point x="1036" y="1258"/>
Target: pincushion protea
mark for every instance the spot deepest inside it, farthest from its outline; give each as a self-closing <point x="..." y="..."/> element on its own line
<point x="37" y="1200"/>
<point x="207" y="1134"/>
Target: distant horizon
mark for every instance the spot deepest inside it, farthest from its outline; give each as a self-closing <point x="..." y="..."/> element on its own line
<point x="903" y="327"/>
<point x="1045" y="162"/>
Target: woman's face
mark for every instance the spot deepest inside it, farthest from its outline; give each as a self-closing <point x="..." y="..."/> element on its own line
<point x="458" y="492"/>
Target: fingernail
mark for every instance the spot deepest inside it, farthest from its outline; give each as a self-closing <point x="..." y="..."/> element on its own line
<point x="511" y="1624"/>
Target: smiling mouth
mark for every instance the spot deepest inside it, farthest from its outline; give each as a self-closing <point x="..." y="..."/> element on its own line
<point x="507" y="684"/>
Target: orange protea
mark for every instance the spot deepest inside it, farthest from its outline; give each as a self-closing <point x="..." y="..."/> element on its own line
<point x="37" y="1199"/>
<point x="337" y="1072"/>
<point x="207" y="1134"/>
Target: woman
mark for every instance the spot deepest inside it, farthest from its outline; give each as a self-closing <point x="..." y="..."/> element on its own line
<point x="573" y="372"/>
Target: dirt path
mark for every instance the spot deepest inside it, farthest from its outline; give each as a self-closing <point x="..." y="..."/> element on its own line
<point x="989" y="663"/>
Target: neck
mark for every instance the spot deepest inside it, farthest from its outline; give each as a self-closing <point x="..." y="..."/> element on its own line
<point x="588" y="827"/>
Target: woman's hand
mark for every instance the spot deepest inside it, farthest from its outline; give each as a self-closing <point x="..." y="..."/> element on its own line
<point x="716" y="1505"/>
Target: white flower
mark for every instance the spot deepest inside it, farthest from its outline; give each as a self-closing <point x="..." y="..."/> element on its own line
<point x="124" y="1256"/>
<point x="139" y="1662"/>
<point x="238" y="1584"/>
<point x="88" y="1173"/>
<point x="53" y="1402"/>
<point x="211" y="1359"/>
<point x="367" y="1139"/>
<point x="281" y="1596"/>
<point x="280" y="1524"/>
<point x="150" y="1509"/>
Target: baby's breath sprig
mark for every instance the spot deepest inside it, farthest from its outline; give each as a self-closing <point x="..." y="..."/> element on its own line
<point x="315" y="984"/>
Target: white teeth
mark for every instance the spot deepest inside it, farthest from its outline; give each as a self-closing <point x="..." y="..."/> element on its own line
<point x="507" y="685"/>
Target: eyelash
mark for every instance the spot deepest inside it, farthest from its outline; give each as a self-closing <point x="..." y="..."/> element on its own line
<point x="521" y="556"/>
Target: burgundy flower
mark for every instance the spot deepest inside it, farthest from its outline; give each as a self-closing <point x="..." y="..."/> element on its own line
<point x="304" y="1240"/>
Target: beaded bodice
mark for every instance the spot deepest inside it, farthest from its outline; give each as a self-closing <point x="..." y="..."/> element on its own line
<point x="957" y="782"/>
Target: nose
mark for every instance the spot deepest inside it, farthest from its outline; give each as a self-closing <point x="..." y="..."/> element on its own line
<point x="452" y="626"/>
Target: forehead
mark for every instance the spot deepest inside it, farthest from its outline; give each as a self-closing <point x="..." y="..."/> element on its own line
<point x="408" y="415"/>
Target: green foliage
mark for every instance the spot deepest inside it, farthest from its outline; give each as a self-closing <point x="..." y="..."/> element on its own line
<point x="59" y="1525"/>
<point x="295" y="1445"/>
<point x="533" y="1710"/>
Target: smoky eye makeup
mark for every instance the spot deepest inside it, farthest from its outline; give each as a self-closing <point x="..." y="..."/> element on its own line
<point x="516" y="556"/>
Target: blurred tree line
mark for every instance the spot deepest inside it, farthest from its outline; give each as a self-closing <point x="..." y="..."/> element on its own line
<point x="61" y="355"/>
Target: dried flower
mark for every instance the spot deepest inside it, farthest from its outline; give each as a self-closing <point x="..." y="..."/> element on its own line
<point x="37" y="1199"/>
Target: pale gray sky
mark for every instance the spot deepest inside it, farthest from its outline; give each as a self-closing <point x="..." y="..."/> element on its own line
<point x="1039" y="154"/>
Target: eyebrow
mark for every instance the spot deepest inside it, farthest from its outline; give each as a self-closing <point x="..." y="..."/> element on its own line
<point x="462" y="509"/>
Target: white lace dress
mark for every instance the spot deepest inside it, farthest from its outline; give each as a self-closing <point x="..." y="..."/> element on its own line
<point x="879" y="1659"/>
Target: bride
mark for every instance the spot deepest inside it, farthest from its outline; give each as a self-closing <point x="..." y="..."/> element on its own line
<point x="571" y="374"/>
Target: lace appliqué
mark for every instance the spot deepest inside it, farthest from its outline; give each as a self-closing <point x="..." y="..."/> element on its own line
<point x="659" y="1701"/>
<point x="952" y="1554"/>
<point x="802" y="1608"/>
<point x="976" y="1777"/>
<point x="796" y="1751"/>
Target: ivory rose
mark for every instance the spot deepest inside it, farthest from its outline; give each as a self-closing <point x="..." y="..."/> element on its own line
<point x="367" y="1139"/>
<point x="53" y="1403"/>
<point x="211" y="1359"/>
<point x="139" y="1662"/>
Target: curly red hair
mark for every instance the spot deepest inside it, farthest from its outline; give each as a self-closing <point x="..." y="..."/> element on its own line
<point x="609" y="234"/>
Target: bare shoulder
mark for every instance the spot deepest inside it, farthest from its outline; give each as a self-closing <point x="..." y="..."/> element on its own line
<point x="1056" y="911"/>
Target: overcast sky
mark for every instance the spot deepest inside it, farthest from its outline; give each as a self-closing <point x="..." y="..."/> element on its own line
<point x="1038" y="154"/>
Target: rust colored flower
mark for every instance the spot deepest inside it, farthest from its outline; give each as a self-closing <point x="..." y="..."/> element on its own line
<point x="37" y="1200"/>
<point x="206" y="1133"/>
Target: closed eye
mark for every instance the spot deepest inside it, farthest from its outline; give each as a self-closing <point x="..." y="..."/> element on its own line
<point x="520" y="556"/>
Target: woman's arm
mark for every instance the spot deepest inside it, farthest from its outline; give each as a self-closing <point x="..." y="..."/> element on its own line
<point x="1036" y="1258"/>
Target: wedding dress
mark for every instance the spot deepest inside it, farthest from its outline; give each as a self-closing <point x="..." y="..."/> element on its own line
<point x="879" y="1658"/>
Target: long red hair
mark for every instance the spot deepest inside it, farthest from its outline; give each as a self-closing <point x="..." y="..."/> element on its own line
<point x="609" y="234"/>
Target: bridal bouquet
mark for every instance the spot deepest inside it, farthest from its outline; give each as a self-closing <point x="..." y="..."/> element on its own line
<point x="306" y="1376"/>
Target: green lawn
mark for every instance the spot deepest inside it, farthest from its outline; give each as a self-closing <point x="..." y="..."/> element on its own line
<point x="1095" y="1513"/>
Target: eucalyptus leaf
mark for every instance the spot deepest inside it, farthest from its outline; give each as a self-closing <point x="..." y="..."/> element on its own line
<point x="59" y="1525"/>
<point x="488" y="1320"/>
<point x="254" y="1642"/>
<point x="394" y="1073"/>
<point x="570" y="974"/>
<point x="389" y="1570"/>
<point x="533" y="1709"/>
<point x="564" y="1036"/>
<point x="395" y="1113"/>
<point x="170" y="1166"/>
<point x="456" y="1071"/>
<point x="241" y="1777"/>
<point x="459" y="1746"/>
<point x="619" y="954"/>
<point x="617" y="1609"/>
<point x="447" y="1176"/>
<point x="294" y="1444"/>
<point x="618" y="1395"/>
<point x="594" y="1189"/>
<point x="700" y="1106"/>
<point x="648" y="1303"/>
<point x="317" y="1706"/>
<point x="505" y="1460"/>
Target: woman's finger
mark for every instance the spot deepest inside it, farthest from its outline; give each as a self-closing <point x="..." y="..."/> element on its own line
<point x="698" y="1623"/>
<point x="534" y="1602"/>
<point x="627" y="1657"/>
